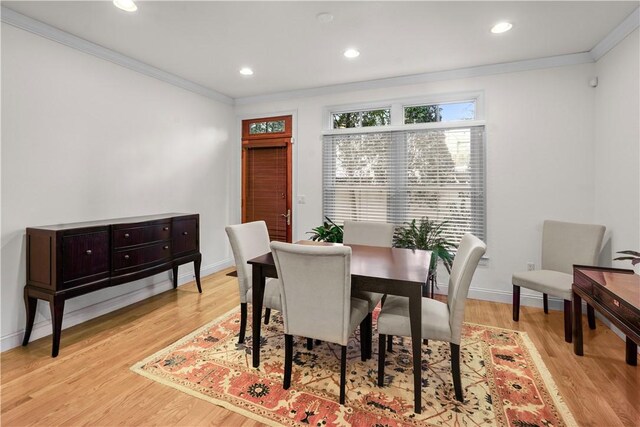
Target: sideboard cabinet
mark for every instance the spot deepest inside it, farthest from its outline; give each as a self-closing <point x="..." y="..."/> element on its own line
<point x="68" y="260"/>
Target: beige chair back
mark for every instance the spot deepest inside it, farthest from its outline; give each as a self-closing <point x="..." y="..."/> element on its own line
<point x="565" y="244"/>
<point x="470" y="250"/>
<point x="315" y="287"/>
<point x="248" y="241"/>
<point x="368" y="233"/>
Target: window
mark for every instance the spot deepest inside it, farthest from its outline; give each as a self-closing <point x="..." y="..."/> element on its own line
<point x="445" y="112"/>
<point x="274" y="126"/>
<point x="358" y="119"/>
<point x="394" y="176"/>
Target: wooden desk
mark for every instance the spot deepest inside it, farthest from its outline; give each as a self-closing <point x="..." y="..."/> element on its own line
<point x="384" y="270"/>
<point x="616" y="294"/>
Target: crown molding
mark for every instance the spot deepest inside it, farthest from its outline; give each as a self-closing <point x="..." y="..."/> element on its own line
<point x="47" y="31"/>
<point x="618" y="34"/>
<point x="460" y="73"/>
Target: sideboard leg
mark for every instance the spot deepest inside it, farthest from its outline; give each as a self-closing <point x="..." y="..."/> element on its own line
<point x="196" y="267"/>
<point x="632" y="352"/>
<point x="175" y="277"/>
<point x="30" y="305"/>
<point x="56" y="304"/>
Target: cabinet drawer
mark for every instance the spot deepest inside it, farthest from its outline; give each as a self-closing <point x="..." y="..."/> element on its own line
<point x="139" y="235"/>
<point x="185" y="236"/>
<point x="619" y="308"/>
<point x="141" y="256"/>
<point x="85" y="255"/>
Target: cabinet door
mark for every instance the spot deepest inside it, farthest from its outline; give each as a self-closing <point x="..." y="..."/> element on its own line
<point x="85" y="255"/>
<point x="185" y="236"/>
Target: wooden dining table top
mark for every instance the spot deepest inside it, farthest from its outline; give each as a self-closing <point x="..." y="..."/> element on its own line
<point x="397" y="264"/>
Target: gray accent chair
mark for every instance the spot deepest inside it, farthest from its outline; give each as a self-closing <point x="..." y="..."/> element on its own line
<point x="315" y="284"/>
<point x="440" y="321"/>
<point x="248" y="241"/>
<point x="563" y="245"/>
<point x="370" y="234"/>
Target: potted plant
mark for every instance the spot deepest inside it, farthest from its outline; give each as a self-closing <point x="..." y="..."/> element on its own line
<point x="329" y="231"/>
<point x="427" y="235"/>
<point x="634" y="257"/>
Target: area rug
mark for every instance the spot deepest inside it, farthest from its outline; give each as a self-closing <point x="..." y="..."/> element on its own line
<point x="504" y="380"/>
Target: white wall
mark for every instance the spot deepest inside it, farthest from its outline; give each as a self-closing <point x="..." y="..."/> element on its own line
<point x="617" y="148"/>
<point x="85" y="139"/>
<point x="539" y="155"/>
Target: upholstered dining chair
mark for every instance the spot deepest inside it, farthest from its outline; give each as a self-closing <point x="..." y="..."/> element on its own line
<point x="248" y="241"/>
<point x="563" y="245"/>
<point x="371" y="234"/>
<point x="440" y="321"/>
<point x="315" y="284"/>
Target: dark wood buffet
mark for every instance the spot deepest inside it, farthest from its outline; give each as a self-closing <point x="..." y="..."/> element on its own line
<point x="68" y="260"/>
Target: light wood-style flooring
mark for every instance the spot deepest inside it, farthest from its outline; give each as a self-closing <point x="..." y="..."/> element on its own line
<point x="90" y="383"/>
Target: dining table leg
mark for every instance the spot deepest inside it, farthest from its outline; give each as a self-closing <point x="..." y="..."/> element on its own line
<point x="415" y="319"/>
<point x="258" y="284"/>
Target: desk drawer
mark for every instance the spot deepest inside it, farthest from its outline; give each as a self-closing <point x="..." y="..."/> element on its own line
<point x="140" y="256"/>
<point x="139" y="235"/>
<point x="619" y="308"/>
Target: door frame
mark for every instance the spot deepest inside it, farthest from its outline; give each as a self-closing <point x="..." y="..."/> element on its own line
<point x="280" y="139"/>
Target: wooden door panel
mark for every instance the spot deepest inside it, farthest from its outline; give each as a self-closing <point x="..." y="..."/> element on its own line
<point x="266" y="174"/>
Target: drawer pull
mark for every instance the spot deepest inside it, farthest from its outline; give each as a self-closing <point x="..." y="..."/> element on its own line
<point x="126" y="235"/>
<point x="166" y="247"/>
<point x="616" y="303"/>
<point x="184" y="233"/>
<point x="166" y="228"/>
<point x="88" y="252"/>
<point x="126" y="257"/>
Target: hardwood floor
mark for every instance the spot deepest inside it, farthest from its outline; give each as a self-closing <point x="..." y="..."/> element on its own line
<point x="90" y="383"/>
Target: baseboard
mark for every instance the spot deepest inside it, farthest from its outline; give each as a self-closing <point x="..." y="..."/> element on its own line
<point x="43" y="328"/>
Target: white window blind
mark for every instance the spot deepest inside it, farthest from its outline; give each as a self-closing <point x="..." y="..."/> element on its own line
<point x="397" y="176"/>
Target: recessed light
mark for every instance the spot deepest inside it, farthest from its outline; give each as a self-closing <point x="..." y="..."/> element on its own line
<point x="501" y="27"/>
<point x="246" y="71"/>
<point x="127" y="5"/>
<point x="351" y="53"/>
<point x="324" y="17"/>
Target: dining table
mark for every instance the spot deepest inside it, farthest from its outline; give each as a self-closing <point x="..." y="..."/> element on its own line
<point x="393" y="271"/>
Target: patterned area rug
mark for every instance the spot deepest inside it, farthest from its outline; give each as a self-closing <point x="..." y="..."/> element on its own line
<point x="504" y="380"/>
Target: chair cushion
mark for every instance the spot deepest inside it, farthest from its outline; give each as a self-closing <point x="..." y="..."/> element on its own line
<point x="359" y="310"/>
<point x="271" y="295"/>
<point x="394" y="318"/>
<point x="371" y="297"/>
<point x="549" y="282"/>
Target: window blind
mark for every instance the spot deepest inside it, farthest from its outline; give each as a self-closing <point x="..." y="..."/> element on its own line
<point x="400" y="175"/>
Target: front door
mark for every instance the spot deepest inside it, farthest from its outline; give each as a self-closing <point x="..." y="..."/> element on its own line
<point x="266" y="174"/>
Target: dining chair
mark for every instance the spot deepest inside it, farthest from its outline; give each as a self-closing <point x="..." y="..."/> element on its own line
<point x="248" y="241"/>
<point x="371" y="234"/>
<point x="440" y="321"/>
<point x="315" y="284"/>
<point x="563" y="245"/>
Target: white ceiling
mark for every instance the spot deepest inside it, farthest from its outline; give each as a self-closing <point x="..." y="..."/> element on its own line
<point x="289" y="49"/>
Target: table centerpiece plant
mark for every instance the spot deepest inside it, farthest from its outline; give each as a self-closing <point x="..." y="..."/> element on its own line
<point x="329" y="231"/>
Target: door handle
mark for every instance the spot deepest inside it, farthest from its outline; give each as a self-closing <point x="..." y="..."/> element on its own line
<point x="287" y="216"/>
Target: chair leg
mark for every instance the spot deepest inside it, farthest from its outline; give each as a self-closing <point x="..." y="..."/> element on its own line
<point x="381" y="354"/>
<point x="516" y="303"/>
<point x="545" y="303"/>
<point x="288" y="361"/>
<point x="567" y="321"/>
<point x="455" y="371"/>
<point x="591" y="317"/>
<point x="425" y="342"/>
<point x="267" y="314"/>
<point x="363" y="340"/>
<point x="343" y="373"/>
<point x="243" y="321"/>
<point x="369" y="335"/>
<point x="390" y="343"/>
<point x="309" y="343"/>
